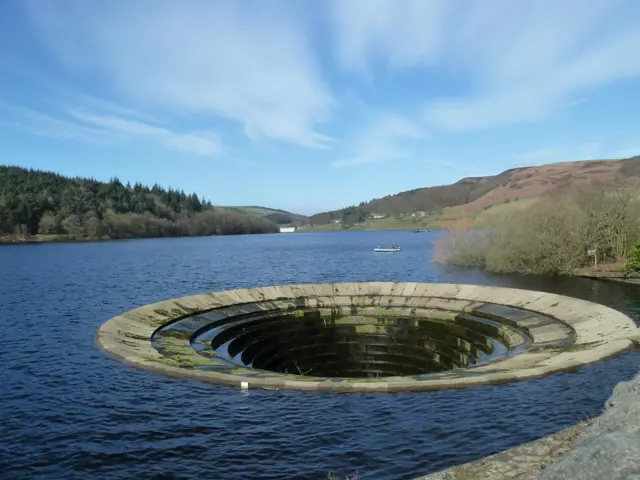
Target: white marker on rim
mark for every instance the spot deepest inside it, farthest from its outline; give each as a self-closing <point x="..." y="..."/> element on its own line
<point x="244" y="385"/>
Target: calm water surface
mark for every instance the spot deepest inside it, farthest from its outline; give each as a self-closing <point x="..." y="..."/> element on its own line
<point x="69" y="411"/>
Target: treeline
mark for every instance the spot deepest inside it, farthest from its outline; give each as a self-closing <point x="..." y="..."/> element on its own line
<point x="34" y="202"/>
<point x="557" y="235"/>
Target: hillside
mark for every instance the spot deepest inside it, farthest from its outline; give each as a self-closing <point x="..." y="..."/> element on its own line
<point x="41" y="203"/>
<point x="473" y="195"/>
<point x="280" y="217"/>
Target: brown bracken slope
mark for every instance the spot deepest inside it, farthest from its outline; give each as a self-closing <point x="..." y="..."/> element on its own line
<point x="475" y="194"/>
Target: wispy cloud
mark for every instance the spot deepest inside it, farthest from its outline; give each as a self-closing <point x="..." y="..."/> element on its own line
<point x="254" y="66"/>
<point x="380" y="140"/>
<point x="108" y="106"/>
<point x="403" y="33"/>
<point x="248" y="62"/>
<point x="521" y="61"/>
<point x="205" y="143"/>
<point x="37" y="123"/>
<point x="108" y="129"/>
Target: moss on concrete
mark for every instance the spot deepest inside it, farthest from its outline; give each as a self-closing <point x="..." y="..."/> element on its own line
<point x="564" y="320"/>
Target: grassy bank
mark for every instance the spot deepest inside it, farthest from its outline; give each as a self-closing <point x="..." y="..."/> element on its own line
<point x="557" y="235"/>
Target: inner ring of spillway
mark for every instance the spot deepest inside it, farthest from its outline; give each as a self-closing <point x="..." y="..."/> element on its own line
<point x="325" y="343"/>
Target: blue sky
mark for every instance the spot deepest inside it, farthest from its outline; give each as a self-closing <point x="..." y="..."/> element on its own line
<point x="315" y="105"/>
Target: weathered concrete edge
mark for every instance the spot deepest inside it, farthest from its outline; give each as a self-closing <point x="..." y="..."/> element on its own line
<point x="126" y="337"/>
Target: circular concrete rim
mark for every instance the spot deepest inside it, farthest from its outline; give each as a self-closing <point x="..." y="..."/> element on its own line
<point x="600" y="333"/>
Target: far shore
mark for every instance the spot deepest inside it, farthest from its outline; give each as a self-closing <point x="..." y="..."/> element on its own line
<point x="614" y="273"/>
<point x="374" y="226"/>
<point x="35" y="239"/>
<point x="7" y="240"/>
<point x="42" y="239"/>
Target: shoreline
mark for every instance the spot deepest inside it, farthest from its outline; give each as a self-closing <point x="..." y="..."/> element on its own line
<point x="46" y="239"/>
<point x="41" y="240"/>
<point x="610" y="276"/>
<point x="38" y="239"/>
<point x="372" y="228"/>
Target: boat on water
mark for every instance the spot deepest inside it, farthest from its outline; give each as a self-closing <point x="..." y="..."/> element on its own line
<point x="394" y="248"/>
<point x="421" y="231"/>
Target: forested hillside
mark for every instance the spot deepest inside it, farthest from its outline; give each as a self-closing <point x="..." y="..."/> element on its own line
<point x="35" y="202"/>
<point x="474" y="194"/>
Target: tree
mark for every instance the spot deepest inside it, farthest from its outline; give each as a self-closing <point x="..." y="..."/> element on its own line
<point x="34" y="202"/>
<point x="93" y="226"/>
<point x="48" y="224"/>
<point x="72" y="225"/>
<point x="553" y="236"/>
<point x="633" y="260"/>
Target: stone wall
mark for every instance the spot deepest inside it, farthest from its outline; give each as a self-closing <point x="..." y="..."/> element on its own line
<point x="610" y="448"/>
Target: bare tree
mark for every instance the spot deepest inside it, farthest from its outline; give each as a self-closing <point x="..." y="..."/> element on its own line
<point x="553" y="236"/>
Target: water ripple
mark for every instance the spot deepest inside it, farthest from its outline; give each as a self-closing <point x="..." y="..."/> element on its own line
<point x="76" y="413"/>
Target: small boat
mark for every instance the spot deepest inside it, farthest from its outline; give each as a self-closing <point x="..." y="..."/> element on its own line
<point x="393" y="249"/>
<point x="421" y="231"/>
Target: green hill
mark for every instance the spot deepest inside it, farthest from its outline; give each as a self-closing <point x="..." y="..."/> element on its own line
<point x="280" y="217"/>
<point x="34" y="202"/>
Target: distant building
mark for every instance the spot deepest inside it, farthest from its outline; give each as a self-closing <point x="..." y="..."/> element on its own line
<point x="287" y="229"/>
<point x="336" y="221"/>
<point x="377" y="215"/>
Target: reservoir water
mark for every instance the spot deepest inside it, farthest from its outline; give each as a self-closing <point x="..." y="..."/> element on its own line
<point x="69" y="411"/>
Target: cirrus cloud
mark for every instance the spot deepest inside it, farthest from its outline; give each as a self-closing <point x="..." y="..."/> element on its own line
<point x="517" y="61"/>
<point x="243" y="61"/>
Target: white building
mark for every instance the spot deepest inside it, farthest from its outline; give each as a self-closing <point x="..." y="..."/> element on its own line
<point x="287" y="229"/>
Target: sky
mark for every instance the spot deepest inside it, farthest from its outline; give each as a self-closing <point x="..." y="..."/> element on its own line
<point x="314" y="105"/>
